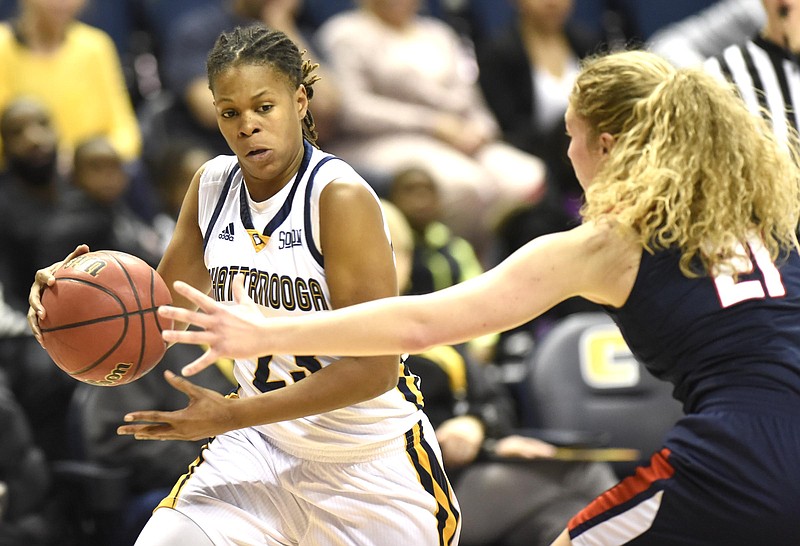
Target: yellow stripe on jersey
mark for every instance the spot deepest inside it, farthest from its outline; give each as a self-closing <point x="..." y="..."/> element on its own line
<point x="433" y="479"/>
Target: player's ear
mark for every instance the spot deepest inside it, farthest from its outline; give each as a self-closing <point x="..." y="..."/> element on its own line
<point x="607" y="142"/>
<point x="301" y="98"/>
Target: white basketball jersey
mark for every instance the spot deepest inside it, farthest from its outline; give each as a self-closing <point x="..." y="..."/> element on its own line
<point x="275" y="245"/>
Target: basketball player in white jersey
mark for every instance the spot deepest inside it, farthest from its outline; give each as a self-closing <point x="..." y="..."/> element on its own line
<point x="311" y="449"/>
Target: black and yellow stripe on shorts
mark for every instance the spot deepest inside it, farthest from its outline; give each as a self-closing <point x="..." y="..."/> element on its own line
<point x="408" y="385"/>
<point x="432" y="477"/>
<point x="170" y="500"/>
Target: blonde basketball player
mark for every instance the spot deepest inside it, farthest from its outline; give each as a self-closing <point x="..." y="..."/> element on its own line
<point x="313" y="449"/>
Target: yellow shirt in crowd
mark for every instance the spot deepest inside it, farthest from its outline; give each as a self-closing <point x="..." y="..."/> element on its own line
<point x="82" y="84"/>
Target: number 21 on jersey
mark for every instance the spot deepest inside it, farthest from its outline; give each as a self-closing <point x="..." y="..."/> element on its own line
<point x="731" y="292"/>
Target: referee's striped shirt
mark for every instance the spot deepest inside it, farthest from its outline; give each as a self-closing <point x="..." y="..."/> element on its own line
<point x="767" y="77"/>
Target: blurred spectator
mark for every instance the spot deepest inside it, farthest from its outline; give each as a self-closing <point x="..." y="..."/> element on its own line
<point x="527" y="74"/>
<point x="764" y="68"/>
<point x="95" y="212"/>
<point x="73" y="68"/>
<point x="189" y="110"/>
<point x="440" y="258"/>
<point x="31" y="185"/>
<point x="527" y="500"/>
<point x="172" y="172"/>
<point x="706" y="34"/>
<point x="410" y="97"/>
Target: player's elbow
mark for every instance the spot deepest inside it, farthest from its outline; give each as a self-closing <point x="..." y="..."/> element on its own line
<point x="419" y="337"/>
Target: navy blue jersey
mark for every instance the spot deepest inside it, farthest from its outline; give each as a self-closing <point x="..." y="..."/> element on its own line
<point x="711" y="337"/>
<point x="728" y="471"/>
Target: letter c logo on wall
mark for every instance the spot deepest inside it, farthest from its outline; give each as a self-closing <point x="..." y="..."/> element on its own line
<point x="606" y="360"/>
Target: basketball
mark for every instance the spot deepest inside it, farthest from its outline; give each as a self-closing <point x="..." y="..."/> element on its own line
<point x="101" y="324"/>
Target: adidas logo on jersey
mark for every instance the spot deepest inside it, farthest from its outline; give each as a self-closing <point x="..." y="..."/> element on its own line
<point x="227" y="233"/>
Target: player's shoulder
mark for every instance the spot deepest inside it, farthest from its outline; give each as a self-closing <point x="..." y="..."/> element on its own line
<point x="338" y="187"/>
<point x="217" y="169"/>
<point x="603" y="245"/>
<point x="347" y="193"/>
<point x="597" y="235"/>
<point x="331" y="165"/>
<point x="327" y="169"/>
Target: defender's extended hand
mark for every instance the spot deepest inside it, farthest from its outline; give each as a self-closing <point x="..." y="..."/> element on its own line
<point x="229" y="331"/>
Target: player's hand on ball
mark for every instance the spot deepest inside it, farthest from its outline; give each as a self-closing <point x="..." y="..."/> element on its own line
<point x="45" y="277"/>
<point x="229" y="331"/>
<point x="207" y="414"/>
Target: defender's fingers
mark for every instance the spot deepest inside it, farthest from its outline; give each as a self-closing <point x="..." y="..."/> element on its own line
<point x="199" y="364"/>
<point x="191" y="337"/>
<point x="184" y="315"/>
<point x="194" y="295"/>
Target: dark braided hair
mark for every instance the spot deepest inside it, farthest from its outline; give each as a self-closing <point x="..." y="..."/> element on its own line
<point x="258" y="45"/>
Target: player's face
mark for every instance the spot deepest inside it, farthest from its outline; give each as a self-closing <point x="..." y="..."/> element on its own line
<point x="585" y="149"/>
<point x="260" y="116"/>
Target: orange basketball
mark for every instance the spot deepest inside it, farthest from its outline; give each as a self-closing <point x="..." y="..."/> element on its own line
<point x="101" y="325"/>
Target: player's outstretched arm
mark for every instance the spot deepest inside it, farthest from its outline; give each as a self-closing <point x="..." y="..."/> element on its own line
<point x="45" y="277"/>
<point x="588" y="261"/>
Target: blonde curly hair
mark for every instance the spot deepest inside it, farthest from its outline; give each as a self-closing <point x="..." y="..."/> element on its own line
<point x="691" y="167"/>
